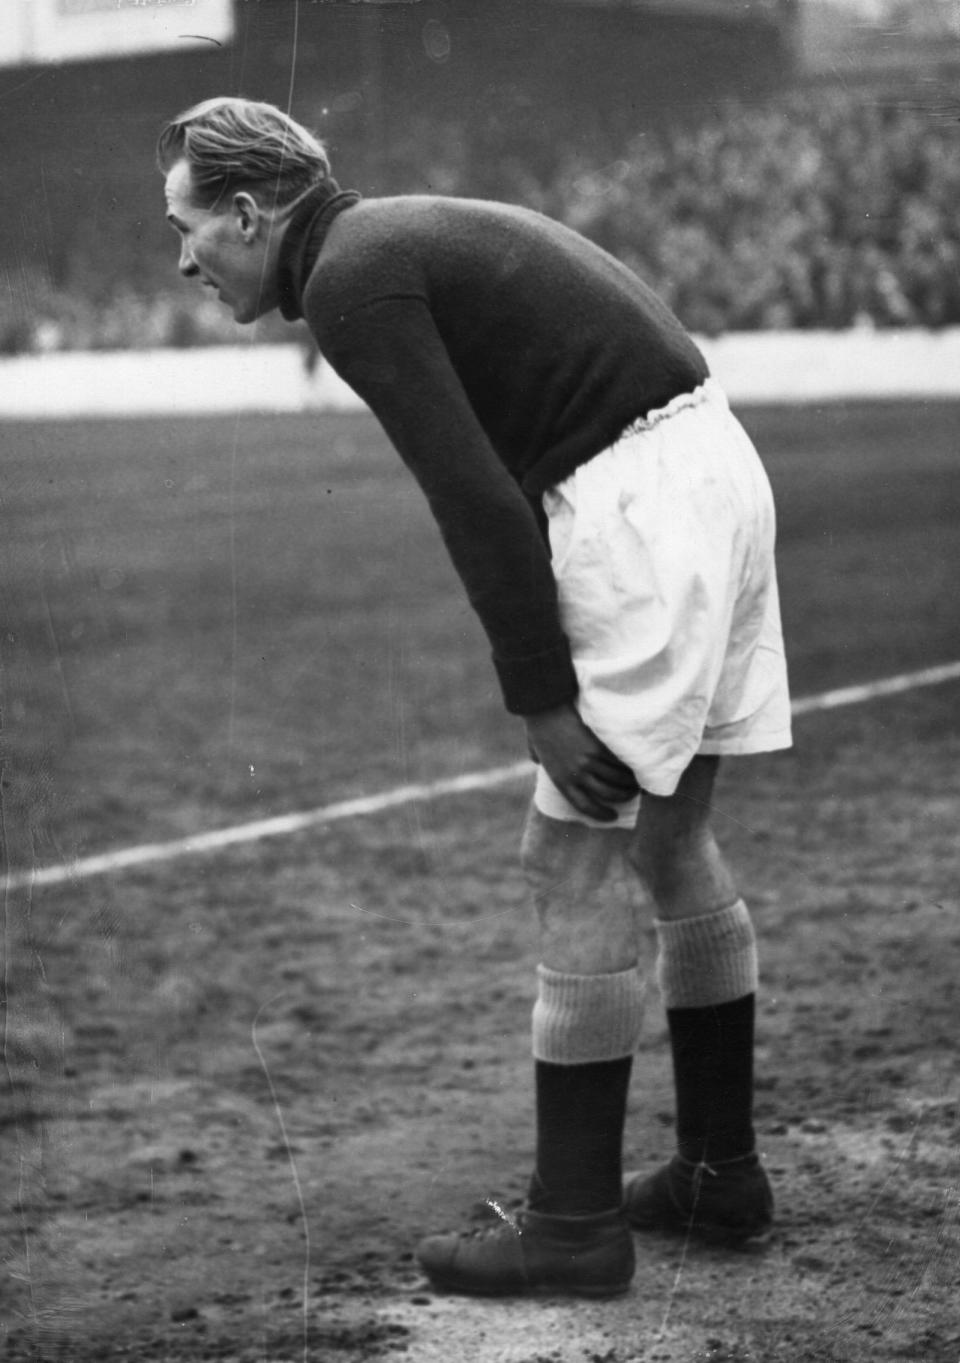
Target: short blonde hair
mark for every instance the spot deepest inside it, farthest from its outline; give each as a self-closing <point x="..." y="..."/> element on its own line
<point x="243" y="143"/>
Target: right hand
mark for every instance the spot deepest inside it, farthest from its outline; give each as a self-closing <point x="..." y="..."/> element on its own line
<point x="582" y="768"/>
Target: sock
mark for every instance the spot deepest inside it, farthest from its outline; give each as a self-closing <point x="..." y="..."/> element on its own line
<point x="707" y="972"/>
<point x="713" y="1079"/>
<point x="707" y="960"/>
<point x="580" y="1118"/>
<point x="578" y="1019"/>
<point x="585" y="1031"/>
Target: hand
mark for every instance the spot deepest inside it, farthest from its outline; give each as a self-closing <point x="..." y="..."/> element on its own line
<point x="582" y="768"/>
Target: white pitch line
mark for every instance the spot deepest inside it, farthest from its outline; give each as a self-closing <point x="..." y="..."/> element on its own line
<point x="151" y="852"/>
<point x="887" y="686"/>
<point x="146" y="853"/>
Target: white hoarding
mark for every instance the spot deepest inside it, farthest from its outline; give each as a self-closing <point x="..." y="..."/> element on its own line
<point x="740" y="11"/>
<point x="845" y="36"/>
<point x="39" y="31"/>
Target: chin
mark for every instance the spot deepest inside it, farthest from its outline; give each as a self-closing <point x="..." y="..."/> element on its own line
<point x="250" y="312"/>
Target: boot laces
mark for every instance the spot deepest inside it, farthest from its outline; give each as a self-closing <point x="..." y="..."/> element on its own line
<point x="501" y="1219"/>
<point x="501" y="1212"/>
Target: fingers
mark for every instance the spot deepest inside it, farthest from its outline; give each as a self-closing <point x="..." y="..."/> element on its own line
<point x="600" y="787"/>
<point x="619" y="780"/>
<point x="580" y="765"/>
<point x="592" y="808"/>
<point x="607" y="770"/>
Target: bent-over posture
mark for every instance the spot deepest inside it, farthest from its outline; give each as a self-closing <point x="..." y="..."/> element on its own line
<point x="614" y="531"/>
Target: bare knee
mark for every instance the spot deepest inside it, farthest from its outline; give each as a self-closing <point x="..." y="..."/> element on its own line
<point x="557" y="855"/>
<point x="673" y="850"/>
<point x="585" y="908"/>
<point x="665" y="860"/>
<point x="538" y="846"/>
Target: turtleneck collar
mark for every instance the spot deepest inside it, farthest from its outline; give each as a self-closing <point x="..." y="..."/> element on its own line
<point x="303" y="240"/>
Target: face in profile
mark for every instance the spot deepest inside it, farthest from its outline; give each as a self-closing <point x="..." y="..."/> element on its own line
<point x="229" y="248"/>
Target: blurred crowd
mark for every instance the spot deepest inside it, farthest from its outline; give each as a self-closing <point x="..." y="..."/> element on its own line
<point x="827" y="210"/>
<point x="823" y="208"/>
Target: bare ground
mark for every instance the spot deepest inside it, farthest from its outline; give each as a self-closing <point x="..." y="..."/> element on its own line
<point x="239" y="1088"/>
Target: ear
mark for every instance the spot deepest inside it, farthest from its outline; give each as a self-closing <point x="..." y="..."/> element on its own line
<point x="248" y="213"/>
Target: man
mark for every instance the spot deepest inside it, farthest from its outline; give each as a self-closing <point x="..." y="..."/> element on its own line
<point x="614" y="531"/>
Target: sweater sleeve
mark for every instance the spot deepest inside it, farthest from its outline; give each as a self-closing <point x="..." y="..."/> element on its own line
<point x="392" y="355"/>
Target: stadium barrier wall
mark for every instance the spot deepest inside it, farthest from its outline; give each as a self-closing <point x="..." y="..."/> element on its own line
<point x="760" y="367"/>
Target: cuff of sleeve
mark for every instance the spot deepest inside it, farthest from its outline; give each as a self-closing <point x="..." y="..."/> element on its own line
<point x="539" y="682"/>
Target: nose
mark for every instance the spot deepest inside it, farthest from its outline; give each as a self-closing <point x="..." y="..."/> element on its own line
<point x="186" y="265"/>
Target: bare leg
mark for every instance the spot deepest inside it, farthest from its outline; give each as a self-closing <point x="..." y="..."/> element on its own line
<point x="706" y="969"/>
<point x="584" y="893"/>
<point x="588" y="1013"/>
<point x="586" y="1023"/>
<point x="674" y="852"/>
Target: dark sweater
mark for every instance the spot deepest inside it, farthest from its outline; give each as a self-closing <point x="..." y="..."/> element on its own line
<point x="500" y="351"/>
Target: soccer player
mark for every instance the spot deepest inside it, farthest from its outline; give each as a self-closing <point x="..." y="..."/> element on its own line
<point x="614" y="531"/>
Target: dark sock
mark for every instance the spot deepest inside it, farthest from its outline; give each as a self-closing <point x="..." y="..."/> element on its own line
<point x="713" y="1076"/>
<point x="580" y="1117"/>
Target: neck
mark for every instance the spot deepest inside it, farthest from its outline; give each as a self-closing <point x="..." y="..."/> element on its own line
<point x="304" y="232"/>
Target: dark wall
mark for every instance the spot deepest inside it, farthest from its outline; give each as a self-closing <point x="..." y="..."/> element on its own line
<point x="378" y="81"/>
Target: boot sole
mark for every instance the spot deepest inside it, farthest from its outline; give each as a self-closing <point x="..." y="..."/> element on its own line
<point x="597" y="1293"/>
<point x="710" y="1233"/>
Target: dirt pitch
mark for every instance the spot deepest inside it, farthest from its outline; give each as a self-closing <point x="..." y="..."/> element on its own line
<point x="239" y="1087"/>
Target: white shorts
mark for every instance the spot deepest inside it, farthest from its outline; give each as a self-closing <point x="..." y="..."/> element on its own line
<point x="663" y="551"/>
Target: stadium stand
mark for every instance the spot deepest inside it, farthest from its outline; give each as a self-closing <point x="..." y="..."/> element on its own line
<point x="749" y="197"/>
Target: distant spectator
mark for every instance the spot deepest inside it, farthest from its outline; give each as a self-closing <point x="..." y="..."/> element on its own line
<point x="825" y="207"/>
